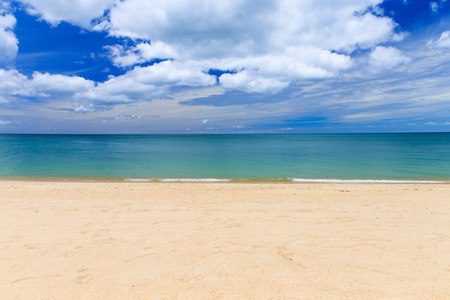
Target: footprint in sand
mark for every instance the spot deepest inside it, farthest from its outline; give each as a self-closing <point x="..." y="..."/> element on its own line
<point x="83" y="277"/>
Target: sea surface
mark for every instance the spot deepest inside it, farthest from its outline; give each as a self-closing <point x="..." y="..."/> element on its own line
<point x="295" y="157"/>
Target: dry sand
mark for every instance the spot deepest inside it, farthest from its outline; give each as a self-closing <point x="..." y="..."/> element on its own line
<point x="121" y="240"/>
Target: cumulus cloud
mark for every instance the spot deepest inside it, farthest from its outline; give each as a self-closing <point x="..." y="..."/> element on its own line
<point x="251" y="83"/>
<point x="14" y="85"/>
<point x="8" y="40"/>
<point x="122" y="57"/>
<point x="258" y="46"/>
<point x="7" y="21"/>
<point x="272" y="73"/>
<point x="4" y="7"/>
<point x="59" y="83"/>
<point x="77" y="12"/>
<point x="237" y="27"/>
<point x="264" y="45"/>
<point x="141" y="53"/>
<point x="383" y="58"/>
<point x="142" y="84"/>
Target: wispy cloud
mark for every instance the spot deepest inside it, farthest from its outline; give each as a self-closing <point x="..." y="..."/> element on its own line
<point x="2" y="123"/>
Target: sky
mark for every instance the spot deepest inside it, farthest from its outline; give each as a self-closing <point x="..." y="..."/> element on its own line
<point x="231" y="66"/>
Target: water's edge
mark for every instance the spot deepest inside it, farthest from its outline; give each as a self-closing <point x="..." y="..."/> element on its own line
<point x="221" y="180"/>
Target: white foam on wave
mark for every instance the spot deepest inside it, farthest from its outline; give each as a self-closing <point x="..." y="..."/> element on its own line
<point x="289" y="179"/>
<point x="363" y="180"/>
<point x="194" y="180"/>
<point x="138" y="179"/>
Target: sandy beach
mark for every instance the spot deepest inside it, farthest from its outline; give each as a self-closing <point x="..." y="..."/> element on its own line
<point x="151" y="240"/>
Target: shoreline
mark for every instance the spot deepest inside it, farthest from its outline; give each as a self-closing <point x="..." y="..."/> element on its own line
<point x="226" y="180"/>
<point x="197" y="240"/>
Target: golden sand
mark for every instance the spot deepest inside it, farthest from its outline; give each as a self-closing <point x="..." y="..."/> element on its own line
<point x="122" y="240"/>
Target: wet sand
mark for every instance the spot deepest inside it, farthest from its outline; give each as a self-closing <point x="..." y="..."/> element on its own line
<point x="130" y="240"/>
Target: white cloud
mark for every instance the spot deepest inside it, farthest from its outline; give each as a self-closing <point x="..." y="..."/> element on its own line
<point x="143" y="84"/>
<point x="444" y="40"/>
<point x="263" y="73"/>
<point x="4" y="7"/>
<point x="141" y="53"/>
<point x="8" y="40"/>
<point x="77" y="12"/>
<point x="267" y="74"/>
<point x="382" y="58"/>
<point x="157" y="49"/>
<point x="59" y="83"/>
<point x="7" y="21"/>
<point x="251" y="83"/>
<point x="124" y="58"/>
<point x="434" y="7"/>
<point x="84" y="109"/>
<point x="122" y="117"/>
<point x="263" y="46"/>
<point x="3" y="123"/>
<point x="243" y="27"/>
<point x="14" y="85"/>
<point x="434" y="123"/>
<point x="366" y="116"/>
<point x="274" y="42"/>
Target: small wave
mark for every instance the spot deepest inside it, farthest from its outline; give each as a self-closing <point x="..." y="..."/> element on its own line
<point x="363" y="180"/>
<point x="138" y="179"/>
<point x="288" y="179"/>
<point x="194" y="180"/>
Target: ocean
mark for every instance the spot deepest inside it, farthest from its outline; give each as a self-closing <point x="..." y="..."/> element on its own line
<point x="296" y="157"/>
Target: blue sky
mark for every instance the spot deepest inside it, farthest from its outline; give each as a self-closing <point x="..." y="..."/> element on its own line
<point x="200" y="66"/>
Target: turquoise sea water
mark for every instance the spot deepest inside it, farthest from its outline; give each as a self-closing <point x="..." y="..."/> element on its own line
<point x="415" y="156"/>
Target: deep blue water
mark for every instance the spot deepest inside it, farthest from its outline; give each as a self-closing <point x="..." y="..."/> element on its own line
<point x="409" y="156"/>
